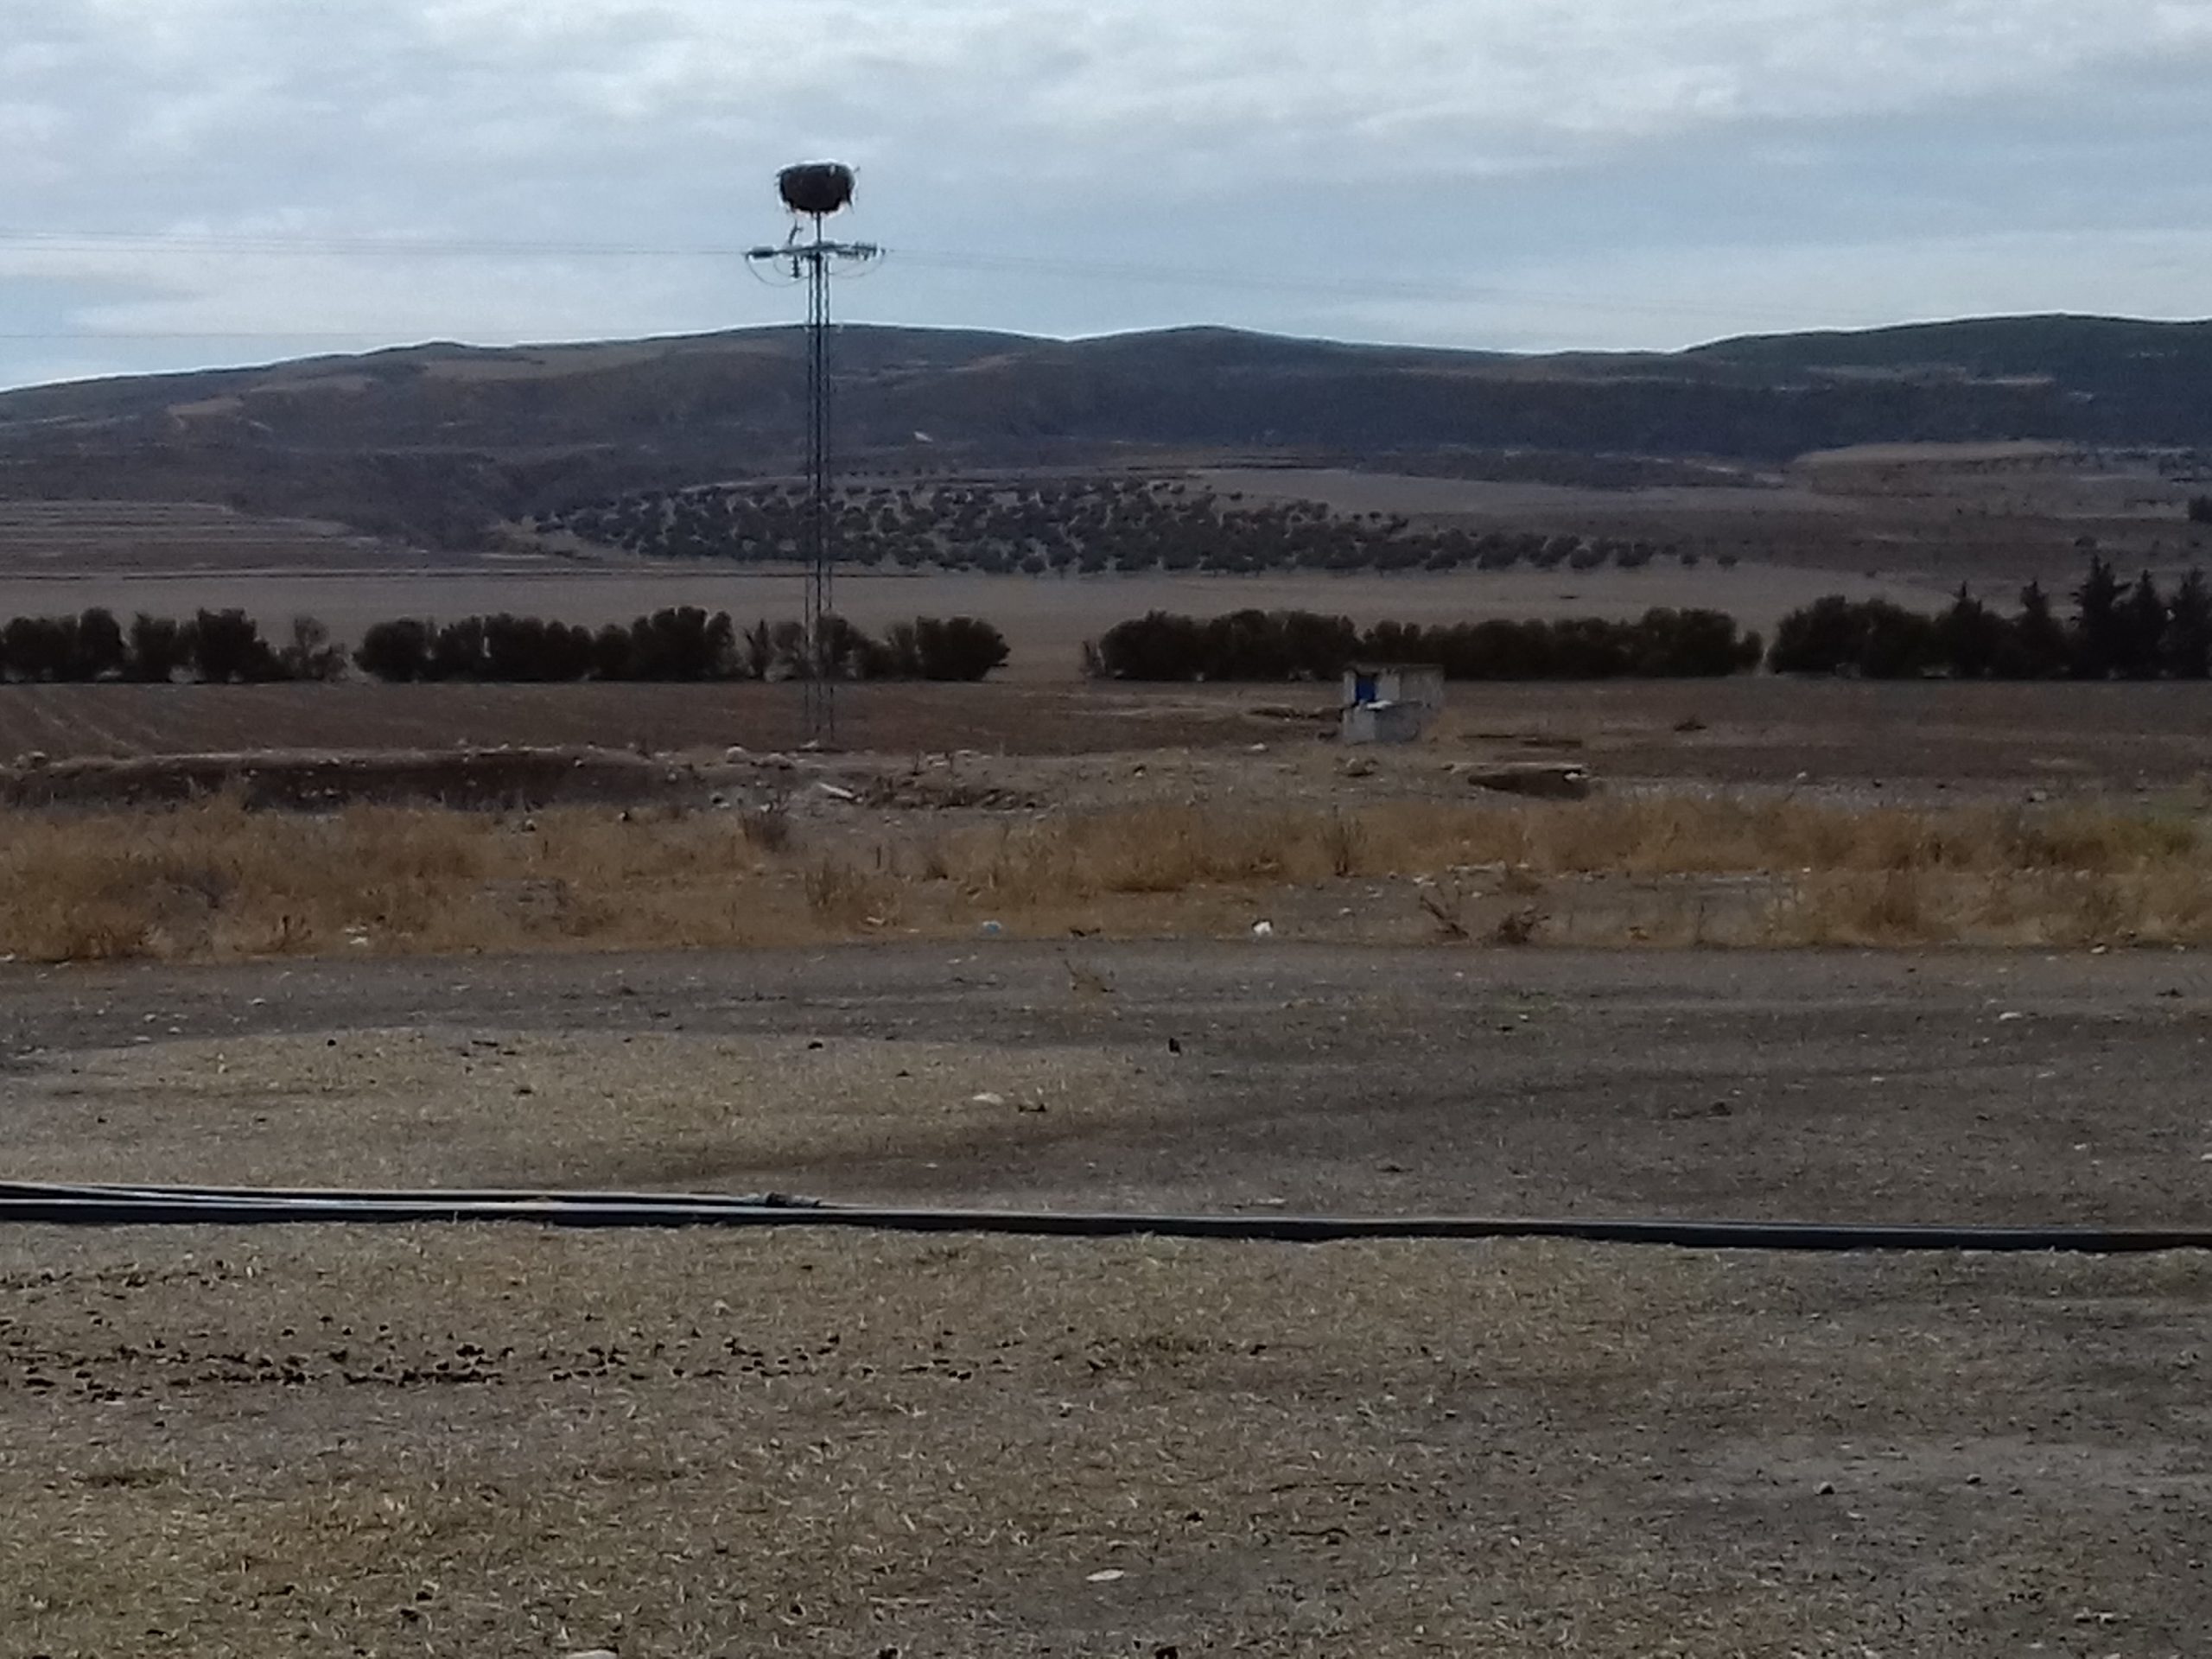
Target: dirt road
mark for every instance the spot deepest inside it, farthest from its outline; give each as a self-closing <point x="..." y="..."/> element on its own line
<point x="1880" y="1086"/>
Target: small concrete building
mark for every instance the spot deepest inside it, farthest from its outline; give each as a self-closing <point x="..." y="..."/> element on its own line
<point x="1390" y="703"/>
<point x="1383" y="722"/>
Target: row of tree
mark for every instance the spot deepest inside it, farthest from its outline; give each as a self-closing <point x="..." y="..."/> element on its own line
<point x="678" y="644"/>
<point x="228" y="648"/>
<point x="2117" y="631"/>
<point x="1304" y="645"/>
<point x="219" y="647"/>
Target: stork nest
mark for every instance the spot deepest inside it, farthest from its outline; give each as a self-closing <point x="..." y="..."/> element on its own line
<point x="818" y="188"/>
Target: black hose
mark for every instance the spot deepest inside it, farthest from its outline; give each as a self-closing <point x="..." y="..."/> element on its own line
<point x="9" y="1190"/>
<point x="119" y="1206"/>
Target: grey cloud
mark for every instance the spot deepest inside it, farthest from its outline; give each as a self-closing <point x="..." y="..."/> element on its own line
<point x="1814" y="159"/>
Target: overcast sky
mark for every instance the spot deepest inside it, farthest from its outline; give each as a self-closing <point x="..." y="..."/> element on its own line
<point x="198" y="182"/>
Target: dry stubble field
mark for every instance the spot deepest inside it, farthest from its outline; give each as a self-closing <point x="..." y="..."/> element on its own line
<point x="1748" y="730"/>
<point x="467" y="1443"/>
<point x="432" y="1441"/>
<point x="447" y="1441"/>
<point x="1734" y="812"/>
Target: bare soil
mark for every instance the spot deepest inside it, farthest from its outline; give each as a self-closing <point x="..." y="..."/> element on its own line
<point x="438" y="1441"/>
<point x="1895" y="1086"/>
<point x="1758" y="730"/>
<point x="62" y="721"/>
<point x="222" y="1444"/>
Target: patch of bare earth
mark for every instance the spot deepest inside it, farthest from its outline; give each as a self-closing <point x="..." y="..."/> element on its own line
<point x="1751" y="729"/>
<point x="431" y="1106"/>
<point x="444" y="1442"/>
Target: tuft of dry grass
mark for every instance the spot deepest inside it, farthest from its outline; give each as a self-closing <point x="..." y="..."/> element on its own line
<point x="1447" y="908"/>
<point x="214" y="879"/>
<point x="845" y="897"/>
<point x="1518" y="926"/>
<point x="767" y="829"/>
<point x="1345" y="839"/>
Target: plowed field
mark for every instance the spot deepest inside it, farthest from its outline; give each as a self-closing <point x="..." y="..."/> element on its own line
<point x="2055" y="737"/>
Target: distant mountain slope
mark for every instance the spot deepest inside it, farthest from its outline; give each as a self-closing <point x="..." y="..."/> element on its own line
<point x="437" y="442"/>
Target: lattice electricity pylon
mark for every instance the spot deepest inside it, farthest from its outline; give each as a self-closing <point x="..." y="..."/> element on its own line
<point x="815" y="191"/>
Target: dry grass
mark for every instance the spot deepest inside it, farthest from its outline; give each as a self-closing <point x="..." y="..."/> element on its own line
<point x="214" y="879"/>
<point x="845" y="898"/>
<point x="1163" y="849"/>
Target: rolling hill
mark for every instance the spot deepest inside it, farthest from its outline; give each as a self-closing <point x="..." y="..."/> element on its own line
<point x="436" y="443"/>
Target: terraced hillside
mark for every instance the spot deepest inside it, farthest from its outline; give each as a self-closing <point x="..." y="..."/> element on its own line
<point x="69" y="538"/>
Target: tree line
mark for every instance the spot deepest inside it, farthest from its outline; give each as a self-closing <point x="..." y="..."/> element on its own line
<point x="215" y="647"/>
<point x="2118" y="630"/>
<point x="677" y="644"/>
<point x="1662" y="643"/>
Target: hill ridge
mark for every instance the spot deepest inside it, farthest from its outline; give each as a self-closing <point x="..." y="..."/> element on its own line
<point x="437" y="441"/>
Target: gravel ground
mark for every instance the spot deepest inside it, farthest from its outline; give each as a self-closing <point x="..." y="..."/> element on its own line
<point x="506" y="1442"/>
<point x="469" y="1442"/>
<point x="1930" y="1086"/>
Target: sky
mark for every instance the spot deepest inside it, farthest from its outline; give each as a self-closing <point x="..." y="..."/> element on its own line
<point x="193" y="183"/>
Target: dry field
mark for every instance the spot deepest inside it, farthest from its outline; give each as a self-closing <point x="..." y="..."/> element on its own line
<point x="903" y="857"/>
<point x="1744" y="731"/>
<point x="438" y="1441"/>
<point x="432" y="1441"/>
<point x="1733" y="813"/>
<point x="63" y="721"/>
<point x="46" y="543"/>
<point x="230" y="1444"/>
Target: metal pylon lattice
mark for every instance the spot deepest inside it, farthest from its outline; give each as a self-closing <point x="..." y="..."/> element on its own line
<point x="812" y="261"/>
<point x="820" y="687"/>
